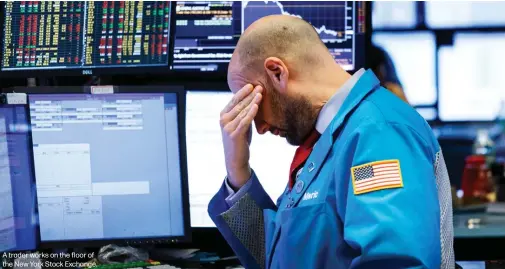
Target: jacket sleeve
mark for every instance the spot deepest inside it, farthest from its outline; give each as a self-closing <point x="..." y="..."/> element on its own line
<point x="242" y="224"/>
<point x="395" y="224"/>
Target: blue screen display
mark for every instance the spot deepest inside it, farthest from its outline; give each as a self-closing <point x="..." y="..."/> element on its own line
<point x="107" y="166"/>
<point x="18" y="221"/>
<point x="207" y="31"/>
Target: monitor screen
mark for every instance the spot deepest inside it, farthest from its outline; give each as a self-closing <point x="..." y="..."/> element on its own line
<point x="454" y="14"/>
<point x="107" y="166"/>
<point x="394" y="14"/>
<point x="428" y="113"/>
<point x="207" y="31"/>
<point x="270" y="159"/>
<point x="85" y="35"/>
<point x="471" y="86"/>
<point x="18" y="218"/>
<point x="413" y="55"/>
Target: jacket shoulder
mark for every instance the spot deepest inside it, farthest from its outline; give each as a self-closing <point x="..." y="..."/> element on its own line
<point x="384" y="108"/>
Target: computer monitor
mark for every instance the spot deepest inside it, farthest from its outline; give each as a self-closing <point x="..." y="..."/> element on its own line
<point x="85" y="37"/>
<point x="270" y="156"/>
<point x="394" y="14"/>
<point x="464" y="14"/>
<point x="471" y="70"/>
<point x="18" y="218"/>
<point x="428" y="113"/>
<point x="110" y="167"/>
<point x="413" y="55"/>
<point x="207" y="31"/>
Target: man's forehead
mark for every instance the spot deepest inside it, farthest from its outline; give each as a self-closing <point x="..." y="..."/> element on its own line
<point x="233" y="76"/>
<point x="236" y="81"/>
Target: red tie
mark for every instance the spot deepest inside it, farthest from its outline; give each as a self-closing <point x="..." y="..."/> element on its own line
<point x="301" y="155"/>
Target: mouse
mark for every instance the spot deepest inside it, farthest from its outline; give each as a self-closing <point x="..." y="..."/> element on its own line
<point x="116" y="254"/>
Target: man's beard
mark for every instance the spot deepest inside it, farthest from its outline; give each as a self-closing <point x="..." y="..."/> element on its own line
<point x="297" y="115"/>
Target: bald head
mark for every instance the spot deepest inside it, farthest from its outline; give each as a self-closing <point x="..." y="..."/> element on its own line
<point x="285" y="56"/>
<point x="288" y="38"/>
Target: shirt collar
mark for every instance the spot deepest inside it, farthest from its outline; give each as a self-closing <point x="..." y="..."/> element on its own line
<point x="331" y="108"/>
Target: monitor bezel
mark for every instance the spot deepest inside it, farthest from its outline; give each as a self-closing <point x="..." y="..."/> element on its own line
<point x="221" y="75"/>
<point x="96" y="71"/>
<point x="181" y="114"/>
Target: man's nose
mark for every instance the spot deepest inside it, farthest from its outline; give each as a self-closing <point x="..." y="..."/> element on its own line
<point x="261" y="126"/>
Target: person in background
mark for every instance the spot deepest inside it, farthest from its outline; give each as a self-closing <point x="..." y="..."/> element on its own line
<point x="368" y="186"/>
<point x="384" y="68"/>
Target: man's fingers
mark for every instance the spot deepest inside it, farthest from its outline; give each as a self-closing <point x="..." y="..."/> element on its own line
<point x="242" y="105"/>
<point x="241" y="94"/>
<point x="249" y="134"/>
<point x="243" y="122"/>
<point x="234" y="123"/>
<point x="246" y="122"/>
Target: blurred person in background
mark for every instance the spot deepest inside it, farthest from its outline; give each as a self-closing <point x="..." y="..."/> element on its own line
<point x="384" y="68"/>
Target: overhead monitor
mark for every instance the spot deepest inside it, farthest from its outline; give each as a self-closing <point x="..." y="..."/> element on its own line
<point x="271" y="156"/>
<point x="394" y="14"/>
<point x="85" y="37"/>
<point x="471" y="70"/>
<point x="18" y="219"/>
<point x="109" y="167"/>
<point x="464" y="14"/>
<point x="207" y="31"/>
<point x="413" y="55"/>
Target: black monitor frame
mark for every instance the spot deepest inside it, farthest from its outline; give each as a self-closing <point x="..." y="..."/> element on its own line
<point x="181" y="107"/>
<point x="219" y="76"/>
<point x="96" y="71"/>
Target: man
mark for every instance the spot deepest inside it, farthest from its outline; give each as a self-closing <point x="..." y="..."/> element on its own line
<point x="374" y="191"/>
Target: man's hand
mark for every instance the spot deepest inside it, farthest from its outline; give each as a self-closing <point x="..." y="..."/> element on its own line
<point x="236" y="120"/>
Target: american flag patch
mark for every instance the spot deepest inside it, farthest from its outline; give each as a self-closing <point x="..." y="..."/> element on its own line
<point x="376" y="176"/>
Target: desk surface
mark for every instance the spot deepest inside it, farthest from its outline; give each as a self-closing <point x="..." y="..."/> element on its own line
<point x="479" y="225"/>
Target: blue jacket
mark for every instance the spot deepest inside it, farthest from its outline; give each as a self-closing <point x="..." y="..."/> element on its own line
<point x="343" y="212"/>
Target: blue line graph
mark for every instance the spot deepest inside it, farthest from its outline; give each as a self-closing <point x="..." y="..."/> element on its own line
<point x="329" y="18"/>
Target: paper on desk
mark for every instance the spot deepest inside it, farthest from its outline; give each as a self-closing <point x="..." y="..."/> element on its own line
<point x="496" y="208"/>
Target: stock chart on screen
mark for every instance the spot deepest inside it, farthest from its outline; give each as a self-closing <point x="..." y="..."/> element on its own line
<point x="85" y="34"/>
<point x="207" y="31"/>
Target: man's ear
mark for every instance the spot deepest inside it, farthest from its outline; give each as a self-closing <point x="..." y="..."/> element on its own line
<point x="277" y="72"/>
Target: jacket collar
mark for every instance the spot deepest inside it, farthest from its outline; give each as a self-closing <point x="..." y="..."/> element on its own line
<point x="331" y="108"/>
<point x="366" y="84"/>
